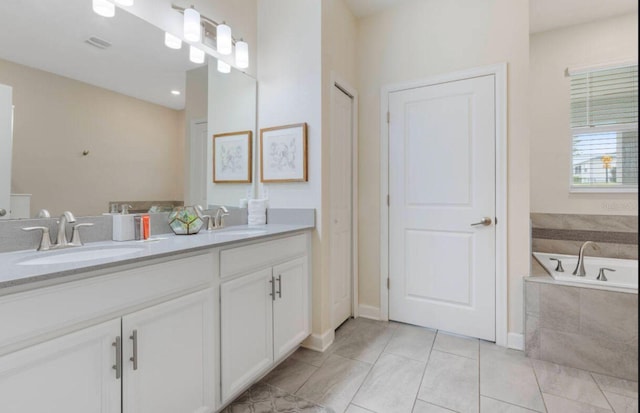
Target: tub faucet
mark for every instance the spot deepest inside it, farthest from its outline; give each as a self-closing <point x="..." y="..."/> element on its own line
<point x="579" y="271"/>
<point x="66" y="218"/>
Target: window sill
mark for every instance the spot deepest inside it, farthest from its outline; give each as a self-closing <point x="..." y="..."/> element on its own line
<point x="602" y="190"/>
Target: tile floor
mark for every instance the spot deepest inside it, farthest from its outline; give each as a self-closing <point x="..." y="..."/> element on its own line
<point x="384" y="367"/>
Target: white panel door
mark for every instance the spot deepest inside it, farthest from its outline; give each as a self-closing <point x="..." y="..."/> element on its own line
<point x="6" y="142"/>
<point x="246" y="330"/>
<point x="167" y="355"/>
<point x="441" y="181"/>
<point x="340" y="259"/>
<point x="70" y="374"/>
<point x="291" y="306"/>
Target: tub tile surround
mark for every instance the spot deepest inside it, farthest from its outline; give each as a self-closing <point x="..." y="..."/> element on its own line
<point x="584" y="328"/>
<point x="617" y="235"/>
<point x="459" y="374"/>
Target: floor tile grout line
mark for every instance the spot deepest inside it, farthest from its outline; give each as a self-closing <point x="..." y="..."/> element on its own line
<point x="426" y="366"/>
<point x="509" y="403"/>
<point x="535" y="376"/>
<point x="368" y="373"/>
<point x="601" y="391"/>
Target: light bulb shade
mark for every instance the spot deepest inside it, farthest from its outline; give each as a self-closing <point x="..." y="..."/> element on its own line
<point x="196" y="55"/>
<point x="192" y="25"/>
<point x="223" y="39"/>
<point x="171" y="41"/>
<point x="104" y="8"/>
<point x="126" y="3"/>
<point x="242" y="54"/>
<point x="223" y="67"/>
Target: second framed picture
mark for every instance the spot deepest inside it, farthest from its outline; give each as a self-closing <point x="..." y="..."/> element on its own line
<point x="232" y="157"/>
<point x="283" y="153"/>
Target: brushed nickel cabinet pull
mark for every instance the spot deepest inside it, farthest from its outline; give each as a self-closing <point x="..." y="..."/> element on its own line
<point x="134" y="358"/>
<point x="280" y="286"/>
<point x="118" y="366"/>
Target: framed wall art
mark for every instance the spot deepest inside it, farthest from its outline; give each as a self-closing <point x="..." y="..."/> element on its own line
<point x="283" y="153"/>
<point x="232" y="157"/>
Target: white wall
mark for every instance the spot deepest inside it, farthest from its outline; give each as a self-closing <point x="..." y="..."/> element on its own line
<point x="421" y="38"/>
<point x="289" y="92"/>
<point x="551" y="53"/>
<point x="232" y="108"/>
<point x="136" y="147"/>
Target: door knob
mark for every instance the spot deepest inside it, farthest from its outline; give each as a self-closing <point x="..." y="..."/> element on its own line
<point x="484" y="221"/>
<point x="3" y="212"/>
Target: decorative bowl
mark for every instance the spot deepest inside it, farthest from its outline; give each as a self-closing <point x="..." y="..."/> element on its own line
<point x="185" y="221"/>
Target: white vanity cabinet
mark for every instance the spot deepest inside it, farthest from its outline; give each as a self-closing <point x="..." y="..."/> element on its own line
<point x="264" y="307"/>
<point x="134" y="341"/>
<point x="70" y="374"/>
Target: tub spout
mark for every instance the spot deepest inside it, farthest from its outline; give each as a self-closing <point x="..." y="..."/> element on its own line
<point x="579" y="271"/>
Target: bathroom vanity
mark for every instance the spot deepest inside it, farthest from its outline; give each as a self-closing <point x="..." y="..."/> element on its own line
<point x="183" y="324"/>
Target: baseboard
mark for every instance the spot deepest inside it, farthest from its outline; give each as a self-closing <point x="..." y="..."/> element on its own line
<point x="515" y="341"/>
<point x="319" y="342"/>
<point x="370" y="312"/>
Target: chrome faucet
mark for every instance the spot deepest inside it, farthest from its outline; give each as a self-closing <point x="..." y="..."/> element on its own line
<point x="220" y="213"/>
<point x="579" y="271"/>
<point x="66" y="218"/>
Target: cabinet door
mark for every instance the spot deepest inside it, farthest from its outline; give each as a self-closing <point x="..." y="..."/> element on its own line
<point x="291" y="323"/>
<point x="70" y="374"/>
<point x="245" y="330"/>
<point x="168" y="355"/>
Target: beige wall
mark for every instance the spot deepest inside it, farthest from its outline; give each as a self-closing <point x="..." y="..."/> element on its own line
<point x="551" y="53"/>
<point x="136" y="148"/>
<point x="421" y="38"/>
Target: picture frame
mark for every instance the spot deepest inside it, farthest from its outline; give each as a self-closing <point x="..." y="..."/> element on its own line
<point x="232" y="157"/>
<point x="283" y="153"/>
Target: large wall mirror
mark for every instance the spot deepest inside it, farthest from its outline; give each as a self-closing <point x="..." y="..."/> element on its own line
<point x="103" y="111"/>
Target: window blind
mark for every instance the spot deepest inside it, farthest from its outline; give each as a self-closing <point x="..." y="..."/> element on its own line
<point x="604" y="116"/>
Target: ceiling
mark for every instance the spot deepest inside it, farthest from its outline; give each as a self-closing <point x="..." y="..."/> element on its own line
<point x="544" y="14"/>
<point x="50" y="35"/>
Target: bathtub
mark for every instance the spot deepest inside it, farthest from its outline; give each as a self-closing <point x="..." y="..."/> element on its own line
<point x="625" y="277"/>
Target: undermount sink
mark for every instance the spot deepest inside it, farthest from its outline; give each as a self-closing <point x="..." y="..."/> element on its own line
<point x="79" y="255"/>
<point x="240" y="232"/>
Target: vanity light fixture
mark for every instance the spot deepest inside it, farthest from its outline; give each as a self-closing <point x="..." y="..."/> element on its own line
<point x="125" y="3"/>
<point x="171" y="41"/>
<point x="196" y="55"/>
<point x="223" y="67"/>
<point x="201" y="29"/>
<point x="223" y="39"/>
<point x="242" y="54"/>
<point x="192" y="29"/>
<point x="104" y="8"/>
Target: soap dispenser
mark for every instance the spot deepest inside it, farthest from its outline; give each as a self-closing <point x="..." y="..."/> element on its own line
<point x="123" y="225"/>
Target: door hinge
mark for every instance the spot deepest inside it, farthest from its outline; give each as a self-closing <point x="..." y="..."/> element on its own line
<point x="388" y="200"/>
<point x="495" y="220"/>
<point x="388" y="284"/>
<point x="388" y="117"/>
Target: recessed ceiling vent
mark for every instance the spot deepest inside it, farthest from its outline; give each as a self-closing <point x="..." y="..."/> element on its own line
<point x="98" y="42"/>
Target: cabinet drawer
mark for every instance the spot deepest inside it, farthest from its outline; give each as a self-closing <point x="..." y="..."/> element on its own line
<point x="34" y="314"/>
<point x="252" y="257"/>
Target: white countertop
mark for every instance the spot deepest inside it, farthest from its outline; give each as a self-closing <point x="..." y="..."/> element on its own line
<point x="14" y="273"/>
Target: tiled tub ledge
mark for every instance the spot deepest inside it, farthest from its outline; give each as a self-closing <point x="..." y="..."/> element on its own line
<point x="579" y="327"/>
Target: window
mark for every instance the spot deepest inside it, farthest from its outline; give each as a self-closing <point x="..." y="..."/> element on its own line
<point x="604" y="127"/>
